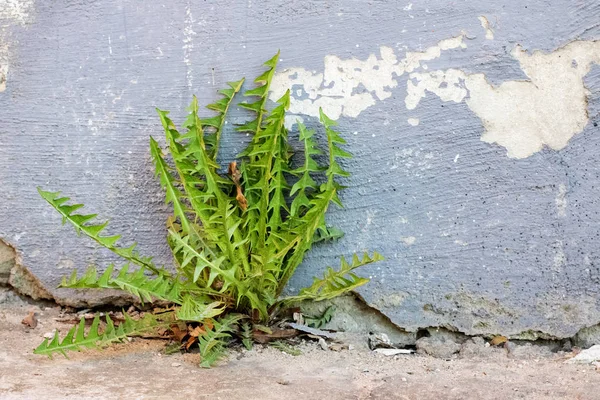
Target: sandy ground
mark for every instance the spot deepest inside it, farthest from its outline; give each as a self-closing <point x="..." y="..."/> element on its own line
<point x="138" y="370"/>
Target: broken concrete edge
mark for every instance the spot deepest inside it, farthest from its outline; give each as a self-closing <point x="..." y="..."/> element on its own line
<point x="353" y="313"/>
<point x="15" y="275"/>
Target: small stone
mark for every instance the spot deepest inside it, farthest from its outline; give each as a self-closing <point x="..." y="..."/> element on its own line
<point x="586" y="356"/>
<point x="437" y="347"/>
<point x="510" y="347"/>
<point x="49" y="335"/>
<point x="176" y="364"/>
<point x="379" y="340"/>
<point x="30" y="320"/>
<point x="323" y="344"/>
<point x="475" y="347"/>
<point x="339" y="346"/>
<point x="404" y="379"/>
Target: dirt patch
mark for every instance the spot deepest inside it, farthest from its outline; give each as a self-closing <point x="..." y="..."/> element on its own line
<point x="137" y="369"/>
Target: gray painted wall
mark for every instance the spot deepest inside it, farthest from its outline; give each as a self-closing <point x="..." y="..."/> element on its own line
<point x="475" y="168"/>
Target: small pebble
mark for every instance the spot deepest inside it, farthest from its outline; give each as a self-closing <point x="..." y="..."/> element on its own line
<point x="176" y="364"/>
<point x="404" y="379"/>
<point x="49" y="335"/>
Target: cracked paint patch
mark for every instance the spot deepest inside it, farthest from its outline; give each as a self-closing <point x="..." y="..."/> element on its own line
<point x="521" y="116"/>
<point x="347" y="87"/>
<point x="12" y="12"/>
<point x="485" y="23"/>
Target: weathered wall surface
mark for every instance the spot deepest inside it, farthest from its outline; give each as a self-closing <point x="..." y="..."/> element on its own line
<point x="473" y="124"/>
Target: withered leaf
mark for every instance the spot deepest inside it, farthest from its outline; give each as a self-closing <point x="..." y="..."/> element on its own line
<point x="263" y="328"/>
<point x="30" y="320"/>
<point x="262" y="337"/>
<point x="208" y="324"/>
<point x="234" y="172"/>
<point x="236" y="175"/>
<point x="197" y="331"/>
<point x="191" y="340"/>
<point x="498" y="340"/>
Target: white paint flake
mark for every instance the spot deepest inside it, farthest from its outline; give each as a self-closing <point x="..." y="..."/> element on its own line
<point x="413" y="121"/>
<point x="408" y="240"/>
<point x="290" y="120"/>
<point x="17" y="12"/>
<point x="561" y="200"/>
<point x="347" y="87"/>
<point x="188" y="44"/>
<point x="489" y="33"/>
<point x="12" y="12"/>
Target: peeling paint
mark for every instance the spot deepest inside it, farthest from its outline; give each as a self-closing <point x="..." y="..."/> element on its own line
<point x="561" y="200"/>
<point x="12" y="12"/>
<point x="547" y="110"/>
<point x="188" y="45"/>
<point x="489" y="33"/>
<point x="349" y="86"/>
<point x="346" y="87"/>
<point x="413" y="121"/>
<point x="408" y="240"/>
<point x="290" y="120"/>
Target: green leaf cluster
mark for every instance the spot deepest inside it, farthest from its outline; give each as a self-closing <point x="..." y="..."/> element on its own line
<point x="236" y="237"/>
<point x="76" y="338"/>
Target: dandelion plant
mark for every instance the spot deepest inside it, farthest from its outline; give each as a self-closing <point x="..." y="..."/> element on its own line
<point x="236" y="237"/>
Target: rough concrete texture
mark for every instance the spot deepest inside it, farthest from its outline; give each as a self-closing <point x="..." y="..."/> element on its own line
<point x="473" y="125"/>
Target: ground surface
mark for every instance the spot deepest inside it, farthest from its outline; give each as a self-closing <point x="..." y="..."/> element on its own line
<point x="138" y="370"/>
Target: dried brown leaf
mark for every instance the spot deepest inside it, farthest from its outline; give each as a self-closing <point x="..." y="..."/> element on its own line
<point x="30" y="320"/>
<point x="278" y="334"/>
<point x="178" y="334"/>
<point x="498" y="340"/>
<point x="197" y="331"/>
<point x="191" y="340"/>
<point x="235" y="174"/>
<point x="208" y="324"/>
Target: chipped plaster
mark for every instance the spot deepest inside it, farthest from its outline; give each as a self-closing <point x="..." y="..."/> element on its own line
<point x="338" y="88"/>
<point x="12" y="12"/>
<point x="485" y="24"/>
<point x="413" y="121"/>
<point x="522" y="116"/>
<point x="547" y="110"/>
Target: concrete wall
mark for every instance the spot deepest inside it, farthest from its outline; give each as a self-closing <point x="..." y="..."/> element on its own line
<point x="473" y="124"/>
